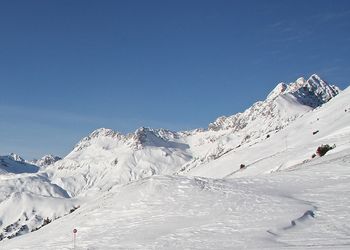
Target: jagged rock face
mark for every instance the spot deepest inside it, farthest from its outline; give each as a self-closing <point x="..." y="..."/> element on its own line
<point x="15" y="157"/>
<point x="314" y="92"/>
<point x="262" y="117"/>
<point x="310" y="93"/>
<point x="46" y="160"/>
<point x="152" y="137"/>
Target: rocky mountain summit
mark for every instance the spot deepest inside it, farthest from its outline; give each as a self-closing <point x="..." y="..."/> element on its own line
<point x="284" y="104"/>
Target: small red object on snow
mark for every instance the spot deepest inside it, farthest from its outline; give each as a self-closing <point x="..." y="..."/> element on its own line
<point x="74" y="236"/>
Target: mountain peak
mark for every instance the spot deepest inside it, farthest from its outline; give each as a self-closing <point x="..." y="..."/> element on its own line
<point x="103" y="132"/>
<point x="314" y="88"/>
<point x="283" y="104"/>
<point x="16" y="157"/>
<point x="315" y="76"/>
<point x="96" y="134"/>
<point x="145" y="136"/>
<point x="46" y="160"/>
<point x="278" y="90"/>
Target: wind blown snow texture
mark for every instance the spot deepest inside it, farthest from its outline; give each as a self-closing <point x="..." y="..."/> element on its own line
<point x="140" y="191"/>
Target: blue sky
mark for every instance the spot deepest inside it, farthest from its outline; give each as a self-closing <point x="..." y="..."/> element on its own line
<point x="69" y="67"/>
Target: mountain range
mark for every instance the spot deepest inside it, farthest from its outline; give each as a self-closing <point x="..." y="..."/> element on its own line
<point x="276" y="135"/>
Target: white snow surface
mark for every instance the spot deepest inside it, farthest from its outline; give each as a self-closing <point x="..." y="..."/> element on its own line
<point x="26" y="200"/>
<point x="302" y="207"/>
<point x="158" y="189"/>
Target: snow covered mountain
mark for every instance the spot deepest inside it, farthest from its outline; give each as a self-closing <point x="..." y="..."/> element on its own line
<point x="15" y="164"/>
<point x="105" y="153"/>
<point x="28" y="199"/>
<point x="106" y="158"/>
<point x="293" y="145"/>
<point x="144" y="183"/>
<point x="282" y="198"/>
<point x="46" y="160"/>
<point x="285" y="103"/>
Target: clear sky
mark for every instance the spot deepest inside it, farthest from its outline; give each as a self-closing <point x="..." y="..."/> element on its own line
<point x="69" y="67"/>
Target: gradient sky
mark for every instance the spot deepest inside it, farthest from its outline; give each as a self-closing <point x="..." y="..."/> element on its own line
<point x="69" y="67"/>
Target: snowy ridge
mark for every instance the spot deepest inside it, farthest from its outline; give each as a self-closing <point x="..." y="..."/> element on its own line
<point x="106" y="153"/>
<point x="46" y="160"/>
<point x="148" y="152"/>
<point x="314" y="92"/>
<point x="294" y="144"/>
<point x="312" y="88"/>
<point x="142" y="137"/>
<point x="14" y="164"/>
<point x="15" y="157"/>
<point x="311" y="94"/>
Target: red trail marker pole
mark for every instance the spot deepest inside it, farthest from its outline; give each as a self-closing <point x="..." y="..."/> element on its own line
<point x="74" y="237"/>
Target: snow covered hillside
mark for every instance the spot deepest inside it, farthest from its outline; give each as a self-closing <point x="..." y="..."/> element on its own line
<point x="329" y="124"/>
<point x="30" y="201"/>
<point x="106" y="158"/>
<point x="252" y="180"/>
<point x="302" y="207"/>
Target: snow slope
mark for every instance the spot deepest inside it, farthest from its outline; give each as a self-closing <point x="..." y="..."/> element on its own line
<point x="26" y="200"/>
<point x="304" y="207"/>
<point x="292" y="145"/>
